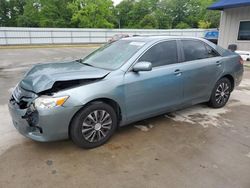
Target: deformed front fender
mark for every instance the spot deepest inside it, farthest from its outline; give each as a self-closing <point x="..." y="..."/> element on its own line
<point x="111" y="89"/>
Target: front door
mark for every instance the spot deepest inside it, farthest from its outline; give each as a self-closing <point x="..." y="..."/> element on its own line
<point x="148" y="93"/>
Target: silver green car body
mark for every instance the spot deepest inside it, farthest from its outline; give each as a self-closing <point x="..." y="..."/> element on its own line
<point x="136" y="95"/>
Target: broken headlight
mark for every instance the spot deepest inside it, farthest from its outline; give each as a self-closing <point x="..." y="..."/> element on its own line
<point x="49" y="102"/>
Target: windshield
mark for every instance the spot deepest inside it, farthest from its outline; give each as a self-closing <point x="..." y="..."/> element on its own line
<point x="112" y="56"/>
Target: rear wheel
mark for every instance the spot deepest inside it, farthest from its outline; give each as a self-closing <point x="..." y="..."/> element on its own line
<point x="220" y="93"/>
<point x="93" y="125"/>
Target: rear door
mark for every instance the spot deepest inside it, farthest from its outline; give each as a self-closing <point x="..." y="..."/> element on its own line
<point x="201" y="68"/>
<point x="148" y="93"/>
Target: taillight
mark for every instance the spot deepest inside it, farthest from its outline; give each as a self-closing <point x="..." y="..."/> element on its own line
<point x="241" y="61"/>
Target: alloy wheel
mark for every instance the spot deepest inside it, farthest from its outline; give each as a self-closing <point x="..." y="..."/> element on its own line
<point x="96" y="125"/>
<point x="222" y="93"/>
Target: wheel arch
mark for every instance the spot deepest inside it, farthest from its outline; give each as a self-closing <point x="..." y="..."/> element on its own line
<point x="230" y="78"/>
<point x="115" y="105"/>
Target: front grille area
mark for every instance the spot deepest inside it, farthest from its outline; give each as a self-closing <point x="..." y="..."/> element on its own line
<point x="21" y="104"/>
<point x="22" y="97"/>
<point x="31" y="115"/>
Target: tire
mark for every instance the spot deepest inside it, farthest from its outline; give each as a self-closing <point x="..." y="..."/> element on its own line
<point x="220" y="93"/>
<point x="93" y="125"/>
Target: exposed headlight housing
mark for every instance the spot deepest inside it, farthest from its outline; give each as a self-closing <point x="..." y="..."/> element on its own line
<point x="49" y="102"/>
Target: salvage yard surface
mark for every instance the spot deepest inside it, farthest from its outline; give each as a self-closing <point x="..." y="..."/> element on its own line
<point x="195" y="147"/>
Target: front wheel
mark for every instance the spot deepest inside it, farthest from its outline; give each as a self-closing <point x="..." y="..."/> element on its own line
<point x="93" y="125"/>
<point x="220" y="93"/>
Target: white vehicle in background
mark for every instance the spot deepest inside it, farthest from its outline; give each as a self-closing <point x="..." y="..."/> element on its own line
<point x="245" y="55"/>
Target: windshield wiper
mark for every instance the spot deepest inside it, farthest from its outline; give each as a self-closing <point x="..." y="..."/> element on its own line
<point x="81" y="61"/>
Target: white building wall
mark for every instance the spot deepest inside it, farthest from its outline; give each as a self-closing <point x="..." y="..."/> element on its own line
<point x="229" y="27"/>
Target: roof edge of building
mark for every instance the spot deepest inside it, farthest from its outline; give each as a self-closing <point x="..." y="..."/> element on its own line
<point x="219" y="6"/>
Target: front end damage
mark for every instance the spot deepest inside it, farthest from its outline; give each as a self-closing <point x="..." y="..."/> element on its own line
<point x="22" y="100"/>
<point x="39" y="124"/>
<point x="23" y="112"/>
<point x="43" y="83"/>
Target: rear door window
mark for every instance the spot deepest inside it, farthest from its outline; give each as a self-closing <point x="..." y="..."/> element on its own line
<point x="194" y="50"/>
<point x="211" y="52"/>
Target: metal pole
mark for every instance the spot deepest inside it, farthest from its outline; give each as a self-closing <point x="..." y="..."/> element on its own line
<point x="119" y="20"/>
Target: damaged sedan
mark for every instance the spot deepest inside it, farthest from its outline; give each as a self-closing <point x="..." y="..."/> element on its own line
<point x="134" y="78"/>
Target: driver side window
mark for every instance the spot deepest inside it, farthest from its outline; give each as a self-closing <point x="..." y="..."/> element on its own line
<point x="163" y="53"/>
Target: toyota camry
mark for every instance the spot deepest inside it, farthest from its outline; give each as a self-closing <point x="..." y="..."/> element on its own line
<point x="131" y="79"/>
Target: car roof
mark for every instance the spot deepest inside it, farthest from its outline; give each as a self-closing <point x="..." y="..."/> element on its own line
<point x="154" y="39"/>
<point x="157" y="38"/>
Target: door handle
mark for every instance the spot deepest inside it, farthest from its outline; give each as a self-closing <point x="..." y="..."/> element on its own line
<point x="218" y="63"/>
<point x="177" y="72"/>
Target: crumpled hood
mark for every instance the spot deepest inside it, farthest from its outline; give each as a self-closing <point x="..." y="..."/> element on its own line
<point x="42" y="77"/>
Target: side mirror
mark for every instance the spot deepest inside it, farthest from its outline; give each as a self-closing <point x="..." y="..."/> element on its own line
<point x="142" y="66"/>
